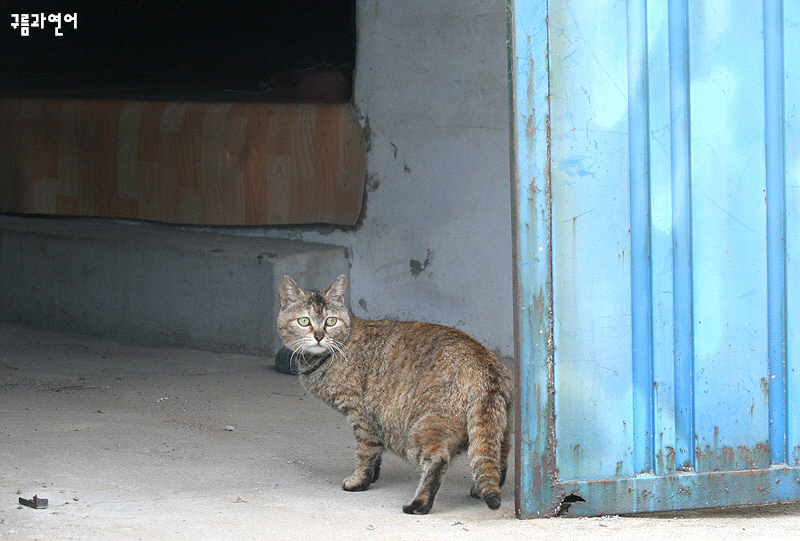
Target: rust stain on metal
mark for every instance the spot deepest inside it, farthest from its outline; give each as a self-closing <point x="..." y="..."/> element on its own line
<point x="728" y="458"/>
<point x="665" y="462"/>
<point x="539" y="302"/>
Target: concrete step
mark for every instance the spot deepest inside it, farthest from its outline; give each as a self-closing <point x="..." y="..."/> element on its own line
<point x="150" y="284"/>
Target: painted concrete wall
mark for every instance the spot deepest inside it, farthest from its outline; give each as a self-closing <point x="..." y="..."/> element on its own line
<point x="435" y="241"/>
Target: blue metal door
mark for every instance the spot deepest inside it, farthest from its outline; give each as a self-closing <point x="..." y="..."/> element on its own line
<point x="656" y="152"/>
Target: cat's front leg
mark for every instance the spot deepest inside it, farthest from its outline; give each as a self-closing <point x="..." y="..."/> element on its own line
<point x="369" y="448"/>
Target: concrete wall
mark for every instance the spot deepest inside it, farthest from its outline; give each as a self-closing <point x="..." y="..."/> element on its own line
<point x="153" y="285"/>
<point x="435" y="242"/>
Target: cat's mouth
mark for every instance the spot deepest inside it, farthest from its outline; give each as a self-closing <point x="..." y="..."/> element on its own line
<point x="317" y="349"/>
<point x="312" y="349"/>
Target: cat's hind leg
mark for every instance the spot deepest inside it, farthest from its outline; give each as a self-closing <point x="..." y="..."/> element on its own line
<point x="369" y="448"/>
<point x="433" y="471"/>
<point x="431" y="445"/>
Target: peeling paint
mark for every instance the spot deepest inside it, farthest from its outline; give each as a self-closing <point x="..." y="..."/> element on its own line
<point x="665" y="462"/>
<point x="417" y="267"/>
<point x="681" y="491"/>
<point x="726" y="457"/>
<point x="372" y="183"/>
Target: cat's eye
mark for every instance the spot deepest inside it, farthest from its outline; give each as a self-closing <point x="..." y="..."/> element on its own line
<point x="331" y="321"/>
<point x="303" y="321"/>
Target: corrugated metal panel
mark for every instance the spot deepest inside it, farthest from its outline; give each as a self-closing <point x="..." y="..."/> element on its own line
<point x="672" y="224"/>
<point x="791" y="111"/>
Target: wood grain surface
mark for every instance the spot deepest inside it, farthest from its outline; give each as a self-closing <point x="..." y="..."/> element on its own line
<point x="182" y="162"/>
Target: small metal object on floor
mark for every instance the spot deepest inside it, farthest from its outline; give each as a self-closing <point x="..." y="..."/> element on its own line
<point x="36" y="502"/>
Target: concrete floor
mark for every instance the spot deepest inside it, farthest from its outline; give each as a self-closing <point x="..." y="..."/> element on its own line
<point x="133" y="442"/>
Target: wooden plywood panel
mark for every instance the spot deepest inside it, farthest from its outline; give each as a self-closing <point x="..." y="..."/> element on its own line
<point x="201" y="163"/>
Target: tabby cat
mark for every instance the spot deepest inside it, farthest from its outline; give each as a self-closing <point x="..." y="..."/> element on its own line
<point x="423" y="391"/>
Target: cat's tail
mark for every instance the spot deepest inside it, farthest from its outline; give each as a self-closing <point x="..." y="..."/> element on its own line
<point x="488" y="423"/>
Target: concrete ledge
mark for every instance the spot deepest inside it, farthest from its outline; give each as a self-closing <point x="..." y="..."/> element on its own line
<point x="148" y="284"/>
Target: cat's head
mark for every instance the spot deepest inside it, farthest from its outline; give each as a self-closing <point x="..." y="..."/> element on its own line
<point x="313" y="323"/>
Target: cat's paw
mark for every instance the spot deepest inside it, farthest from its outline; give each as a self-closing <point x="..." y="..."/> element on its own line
<point x="493" y="501"/>
<point x="356" y="483"/>
<point x="418" y="506"/>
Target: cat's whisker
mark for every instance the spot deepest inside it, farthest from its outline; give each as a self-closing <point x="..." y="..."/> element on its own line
<point x="338" y="347"/>
<point x="302" y="358"/>
<point x="300" y="352"/>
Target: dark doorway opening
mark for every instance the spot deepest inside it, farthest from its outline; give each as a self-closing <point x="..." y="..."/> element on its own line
<point x="180" y="49"/>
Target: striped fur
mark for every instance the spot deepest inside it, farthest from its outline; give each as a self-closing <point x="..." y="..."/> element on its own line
<point x="424" y="391"/>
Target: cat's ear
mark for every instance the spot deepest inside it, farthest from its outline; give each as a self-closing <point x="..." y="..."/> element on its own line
<point x="336" y="291"/>
<point x="289" y="292"/>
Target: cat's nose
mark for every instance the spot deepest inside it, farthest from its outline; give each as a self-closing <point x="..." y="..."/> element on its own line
<point x="319" y="335"/>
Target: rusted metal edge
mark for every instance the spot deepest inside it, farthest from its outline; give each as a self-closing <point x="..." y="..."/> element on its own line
<point x="654" y="493"/>
<point x="538" y="493"/>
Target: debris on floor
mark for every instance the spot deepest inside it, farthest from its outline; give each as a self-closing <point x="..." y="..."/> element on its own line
<point x="36" y="502"/>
